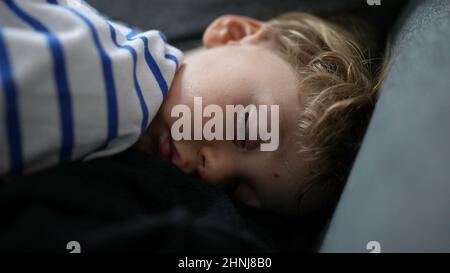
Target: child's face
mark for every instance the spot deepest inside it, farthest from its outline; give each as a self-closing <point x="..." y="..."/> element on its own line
<point x="243" y="70"/>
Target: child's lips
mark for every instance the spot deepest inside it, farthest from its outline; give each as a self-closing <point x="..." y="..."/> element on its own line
<point x="168" y="151"/>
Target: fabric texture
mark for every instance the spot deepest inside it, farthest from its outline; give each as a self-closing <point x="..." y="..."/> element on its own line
<point x="73" y="84"/>
<point x="130" y="202"/>
<point x="185" y="21"/>
<point x="398" y="191"/>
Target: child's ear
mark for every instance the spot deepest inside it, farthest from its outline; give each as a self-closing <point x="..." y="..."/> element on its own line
<point x="234" y="28"/>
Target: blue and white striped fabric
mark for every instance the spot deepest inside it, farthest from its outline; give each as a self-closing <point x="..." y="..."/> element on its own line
<point x="74" y="85"/>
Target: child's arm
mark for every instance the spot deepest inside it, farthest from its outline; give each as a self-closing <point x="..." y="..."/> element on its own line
<point x="74" y="85"/>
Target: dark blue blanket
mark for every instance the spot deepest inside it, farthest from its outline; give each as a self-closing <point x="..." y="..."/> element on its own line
<point x="135" y="202"/>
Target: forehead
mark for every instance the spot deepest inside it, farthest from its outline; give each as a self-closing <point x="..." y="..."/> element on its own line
<point x="238" y="67"/>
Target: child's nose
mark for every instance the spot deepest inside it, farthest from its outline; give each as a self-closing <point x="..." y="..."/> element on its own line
<point x="214" y="166"/>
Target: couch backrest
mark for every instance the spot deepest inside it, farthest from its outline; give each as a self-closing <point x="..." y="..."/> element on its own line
<point x="398" y="193"/>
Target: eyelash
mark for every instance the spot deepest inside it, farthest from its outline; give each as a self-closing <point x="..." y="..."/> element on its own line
<point x="243" y="144"/>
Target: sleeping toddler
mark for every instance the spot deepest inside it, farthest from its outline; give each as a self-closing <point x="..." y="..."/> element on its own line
<point x="77" y="86"/>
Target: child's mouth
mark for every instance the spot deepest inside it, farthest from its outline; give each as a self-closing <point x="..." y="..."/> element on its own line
<point x="168" y="151"/>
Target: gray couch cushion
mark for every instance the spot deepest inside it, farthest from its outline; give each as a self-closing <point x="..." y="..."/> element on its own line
<point x="399" y="190"/>
<point x="184" y="22"/>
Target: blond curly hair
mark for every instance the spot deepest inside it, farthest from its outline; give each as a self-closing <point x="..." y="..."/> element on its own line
<point x="339" y="84"/>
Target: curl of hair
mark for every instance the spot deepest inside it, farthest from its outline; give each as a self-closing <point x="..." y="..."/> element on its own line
<point x="338" y="88"/>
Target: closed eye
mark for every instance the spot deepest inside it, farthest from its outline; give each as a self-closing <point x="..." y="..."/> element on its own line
<point x="246" y="143"/>
<point x="241" y="144"/>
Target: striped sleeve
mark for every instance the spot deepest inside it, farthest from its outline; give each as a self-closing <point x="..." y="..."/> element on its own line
<point x="74" y="85"/>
